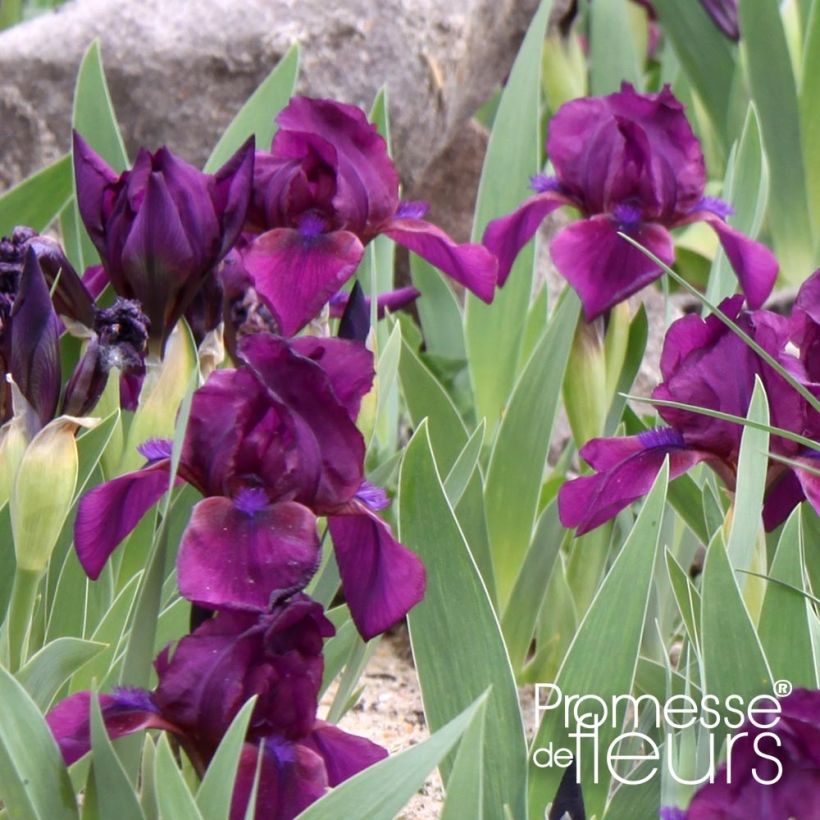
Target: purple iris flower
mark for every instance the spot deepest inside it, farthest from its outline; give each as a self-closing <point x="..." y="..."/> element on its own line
<point x="161" y="227"/>
<point x="271" y="446"/>
<point x="775" y="772"/>
<point x="202" y="685"/>
<point x="326" y="188"/>
<point x="628" y="162"/>
<point x="704" y="364"/>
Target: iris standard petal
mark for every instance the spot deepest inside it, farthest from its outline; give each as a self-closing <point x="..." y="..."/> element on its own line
<point x="243" y="555"/>
<point x="602" y="267"/>
<point x="381" y="579"/>
<point x="93" y="177"/>
<point x="473" y="266"/>
<point x="109" y="512"/>
<point x="296" y="273"/>
<point x="367" y="183"/>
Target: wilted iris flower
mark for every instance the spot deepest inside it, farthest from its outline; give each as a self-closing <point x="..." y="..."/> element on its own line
<point x="705" y="364"/>
<point x="203" y="683"/>
<point x="775" y="771"/>
<point x="161" y="227"/>
<point x="271" y="446"/>
<point x="628" y="162"/>
<point x="326" y="188"/>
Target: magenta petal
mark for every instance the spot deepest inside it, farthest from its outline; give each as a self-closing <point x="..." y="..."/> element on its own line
<point x="108" y="513"/>
<point x="382" y="580"/>
<point x="602" y="267"/>
<point x="241" y="559"/>
<point x="632" y="464"/>
<point x="348" y="365"/>
<point x="507" y="235"/>
<point x="473" y="266"/>
<point x="755" y="265"/>
<point x="297" y="274"/>
<point x="292" y="776"/>
<point x="344" y="754"/>
<point x="123" y="714"/>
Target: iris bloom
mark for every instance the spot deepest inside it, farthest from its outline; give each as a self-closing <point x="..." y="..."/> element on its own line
<point x="271" y="446"/>
<point x="326" y="188"/>
<point x="202" y="685"/>
<point x="161" y="227"/>
<point x="707" y="365"/>
<point x="628" y="162"/>
<point x="785" y="757"/>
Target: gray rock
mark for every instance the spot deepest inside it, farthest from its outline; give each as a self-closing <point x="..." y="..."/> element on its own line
<point x="179" y="69"/>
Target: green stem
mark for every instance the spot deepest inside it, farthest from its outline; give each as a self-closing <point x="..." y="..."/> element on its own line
<point x="20" y="614"/>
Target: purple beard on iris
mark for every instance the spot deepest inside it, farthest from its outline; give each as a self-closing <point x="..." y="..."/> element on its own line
<point x="271" y="446"/>
<point x="628" y="162"/>
<point x="706" y="365"/>
<point x="161" y="227"/>
<point x="326" y="189"/>
<point x="203" y="683"/>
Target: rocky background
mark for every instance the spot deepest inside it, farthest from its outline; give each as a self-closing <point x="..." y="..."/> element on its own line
<point x="180" y="69"/>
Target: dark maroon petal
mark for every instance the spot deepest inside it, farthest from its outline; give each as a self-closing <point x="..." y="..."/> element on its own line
<point x="781" y="498"/>
<point x="627" y="147"/>
<point x="239" y="555"/>
<point x="632" y="464"/>
<point x="344" y="754"/>
<point x="123" y="714"/>
<point x="348" y="365"/>
<point x="755" y="265"/>
<point x="158" y="257"/>
<point x="95" y="279"/>
<point x="326" y="433"/>
<point x="692" y="333"/>
<point x="34" y="349"/>
<point x="109" y="512"/>
<point x="381" y="579"/>
<point x="292" y="776"/>
<point x="296" y="274"/>
<point x="473" y="266"/>
<point x="353" y="311"/>
<point x="70" y="296"/>
<point x="602" y="267"/>
<point x="507" y="235"/>
<point x="94" y="177"/>
<point x="367" y="184"/>
<point x="232" y="191"/>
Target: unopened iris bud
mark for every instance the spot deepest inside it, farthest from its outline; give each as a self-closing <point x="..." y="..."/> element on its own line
<point x="43" y="491"/>
<point x="585" y="386"/>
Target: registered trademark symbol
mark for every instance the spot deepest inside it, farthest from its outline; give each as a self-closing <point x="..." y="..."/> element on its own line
<point x="782" y="688"/>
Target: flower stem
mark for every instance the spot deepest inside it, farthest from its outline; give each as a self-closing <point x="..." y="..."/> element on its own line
<point x="20" y="615"/>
